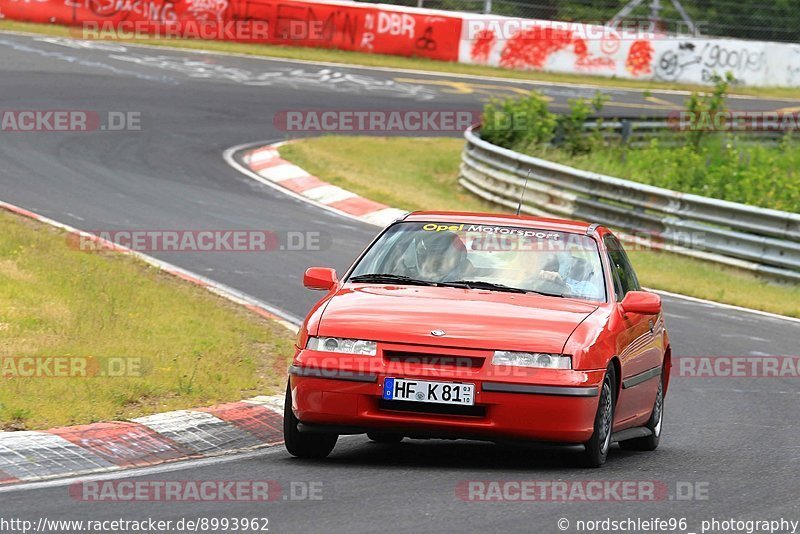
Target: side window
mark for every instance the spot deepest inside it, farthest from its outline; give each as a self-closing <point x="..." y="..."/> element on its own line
<point x="624" y="276"/>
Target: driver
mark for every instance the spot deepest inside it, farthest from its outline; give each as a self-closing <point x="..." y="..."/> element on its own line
<point x="440" y="257"/>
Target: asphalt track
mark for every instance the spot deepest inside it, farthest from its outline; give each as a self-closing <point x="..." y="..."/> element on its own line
<point x="737" y="437"/>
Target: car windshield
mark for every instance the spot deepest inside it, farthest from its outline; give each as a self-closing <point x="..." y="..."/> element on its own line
<point x="499" y="258"/>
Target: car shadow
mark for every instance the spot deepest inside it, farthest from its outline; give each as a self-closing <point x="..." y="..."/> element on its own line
<point x="455" y="455"/>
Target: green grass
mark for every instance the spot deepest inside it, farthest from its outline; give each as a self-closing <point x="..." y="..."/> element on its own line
<point x="401" y="172"/>
<point x="194" y="348"/>
<point x="417" y="173"/>
<point x="397" y="62"/>
<point x="724" y="168"/>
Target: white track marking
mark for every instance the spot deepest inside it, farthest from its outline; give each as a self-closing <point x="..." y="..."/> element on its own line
<point x="432" y="73"/>
<point x="726" y="306"/>
<point x="284" y="171"/>
<point x="328" y="194"/>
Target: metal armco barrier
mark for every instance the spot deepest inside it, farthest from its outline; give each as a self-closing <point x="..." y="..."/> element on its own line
<point x="641" y="132"/>
<point x="761" y="240"/>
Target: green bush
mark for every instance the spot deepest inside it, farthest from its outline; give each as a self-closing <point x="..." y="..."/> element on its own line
<point x="571" y="129"/>
<point x="518" y="122"/>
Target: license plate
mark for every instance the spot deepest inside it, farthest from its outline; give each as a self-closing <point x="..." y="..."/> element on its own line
<point x="427" y="391"/>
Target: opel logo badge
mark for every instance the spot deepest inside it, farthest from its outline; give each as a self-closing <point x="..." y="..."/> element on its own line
<point x="438" y="333"/>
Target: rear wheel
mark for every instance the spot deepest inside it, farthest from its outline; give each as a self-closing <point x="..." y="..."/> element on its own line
<point x="304" y="444"/>
<point x="384" y="437"/>
<point x="598" y="445"/>
<point x="650" y="443"/>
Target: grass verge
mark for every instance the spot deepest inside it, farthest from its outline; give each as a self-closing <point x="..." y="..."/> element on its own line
<point x="189" y="347"/>
<point x="421" y="173"/>
<point x="397" y="62"/>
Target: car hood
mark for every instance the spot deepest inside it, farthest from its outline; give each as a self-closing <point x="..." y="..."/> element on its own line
<point x="474" y="319"/>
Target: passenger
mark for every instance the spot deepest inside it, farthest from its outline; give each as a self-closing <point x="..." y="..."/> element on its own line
<point x="577" y="280"/>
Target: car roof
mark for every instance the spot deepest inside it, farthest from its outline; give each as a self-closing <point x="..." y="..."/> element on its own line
<point x="499" y="219"/>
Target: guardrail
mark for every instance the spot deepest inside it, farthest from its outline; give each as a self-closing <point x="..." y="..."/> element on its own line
<point x="637" y="132"/>
<point x="761" y="240"/>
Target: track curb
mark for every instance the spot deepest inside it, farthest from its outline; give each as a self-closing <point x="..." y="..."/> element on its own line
<point x="266" y="165"/>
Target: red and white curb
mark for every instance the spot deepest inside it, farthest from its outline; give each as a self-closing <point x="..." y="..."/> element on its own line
<point x="265" y="164"/>
<point x="155" y="439"/>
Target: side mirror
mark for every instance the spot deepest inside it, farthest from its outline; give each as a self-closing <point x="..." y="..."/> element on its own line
<point x="321" y="278"/>
<point x="642" y="302"/>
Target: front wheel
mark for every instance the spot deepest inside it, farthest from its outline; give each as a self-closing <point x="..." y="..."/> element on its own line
<point x="598" y="445"/>
<point x="650" y="443"/>
<point x="303" y="444"/>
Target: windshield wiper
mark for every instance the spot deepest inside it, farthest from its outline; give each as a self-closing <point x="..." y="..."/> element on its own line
<point x="391" y="279"/>
<point x="478" y="284"/>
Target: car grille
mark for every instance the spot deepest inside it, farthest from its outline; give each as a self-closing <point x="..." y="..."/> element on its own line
<point x="432" y="408"/>
<point x="444" y="361"/>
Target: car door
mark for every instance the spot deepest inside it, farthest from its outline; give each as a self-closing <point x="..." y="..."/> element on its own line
<point x="637" y="346"/>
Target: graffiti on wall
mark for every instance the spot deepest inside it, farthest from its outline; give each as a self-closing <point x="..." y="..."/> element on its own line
<point x="347" y="26"/>
<point x="534" y="48"/>
<point x="708" y="59"/>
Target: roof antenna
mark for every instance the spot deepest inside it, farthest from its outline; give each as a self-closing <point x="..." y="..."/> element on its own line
<point x="524" y="187"/>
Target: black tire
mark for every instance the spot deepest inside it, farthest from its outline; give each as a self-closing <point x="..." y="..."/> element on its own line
<point x="650" y="443"/>
<point x="384" y="437"/>
<point x="598" y="445"/>
<point x="304" y="444"/>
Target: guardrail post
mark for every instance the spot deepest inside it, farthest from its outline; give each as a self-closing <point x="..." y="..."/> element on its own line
<point x="627" y="129"/>
<point x="558" y="134"/>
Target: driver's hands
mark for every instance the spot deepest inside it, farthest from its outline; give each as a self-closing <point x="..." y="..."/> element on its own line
<point x="551" y="276"/>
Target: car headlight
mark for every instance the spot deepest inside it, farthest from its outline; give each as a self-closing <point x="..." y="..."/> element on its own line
<point x="343" y="346"/>
<point x="532" y="359"/>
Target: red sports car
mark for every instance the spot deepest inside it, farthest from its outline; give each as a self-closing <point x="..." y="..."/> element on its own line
<point x="477" y="326"/>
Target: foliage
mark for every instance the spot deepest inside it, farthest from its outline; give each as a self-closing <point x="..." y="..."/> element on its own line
<point x="576" y="140"/>
<point x="722" y="166"/>
<point x="521" y="122"/>
<point x="708" y="103"/>
<point x="518" y="122"/>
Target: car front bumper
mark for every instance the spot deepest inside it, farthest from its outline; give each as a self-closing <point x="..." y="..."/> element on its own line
<point x="345" y="395"/>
